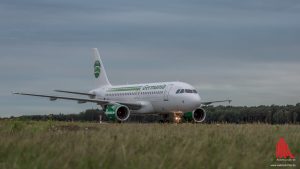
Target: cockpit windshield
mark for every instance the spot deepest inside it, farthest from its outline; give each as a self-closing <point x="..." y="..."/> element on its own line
<point x="186" y="91"/>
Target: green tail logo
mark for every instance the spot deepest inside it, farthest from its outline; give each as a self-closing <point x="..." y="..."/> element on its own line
<point x="97" y="68"/>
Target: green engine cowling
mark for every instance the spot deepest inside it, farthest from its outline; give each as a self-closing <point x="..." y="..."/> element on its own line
<point x="198" y="115"/>
<point x="117" y="112"/>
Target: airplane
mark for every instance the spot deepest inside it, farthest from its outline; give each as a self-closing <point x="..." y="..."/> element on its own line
<point x="174" y="101"/>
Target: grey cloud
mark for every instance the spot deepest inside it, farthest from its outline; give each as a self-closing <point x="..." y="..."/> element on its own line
<point x="248" y="51"/>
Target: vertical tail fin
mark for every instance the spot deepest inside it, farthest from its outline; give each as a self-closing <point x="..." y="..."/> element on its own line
<point x="99" y="70"/>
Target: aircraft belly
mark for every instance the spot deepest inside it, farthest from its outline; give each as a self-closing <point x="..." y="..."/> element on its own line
<point x="164" y="106"/>
<point x="147" y="108"/>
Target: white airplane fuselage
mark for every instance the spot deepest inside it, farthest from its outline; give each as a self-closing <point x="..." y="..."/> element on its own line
<point x="162" y="97"/>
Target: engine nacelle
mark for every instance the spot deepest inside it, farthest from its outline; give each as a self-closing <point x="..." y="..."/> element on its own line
<point x="198" y="115"/>
<point x="117" y="112"/>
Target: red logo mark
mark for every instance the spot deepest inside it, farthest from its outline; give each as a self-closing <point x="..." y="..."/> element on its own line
<point x="282" y="149"/>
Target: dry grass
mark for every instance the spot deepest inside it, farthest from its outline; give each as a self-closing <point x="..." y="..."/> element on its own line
<point x="52" y="145"/>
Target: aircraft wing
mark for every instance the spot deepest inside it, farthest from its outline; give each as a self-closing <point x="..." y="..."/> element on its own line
<point x="132" y="106"/>
<point x="218" y="101"/>
<point x="79" y="93"/>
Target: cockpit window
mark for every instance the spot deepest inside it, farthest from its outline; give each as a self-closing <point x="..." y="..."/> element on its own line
<point x="188" y="91"/>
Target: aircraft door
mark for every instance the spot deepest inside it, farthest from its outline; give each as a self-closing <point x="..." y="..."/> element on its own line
<point x="167" y="92"/>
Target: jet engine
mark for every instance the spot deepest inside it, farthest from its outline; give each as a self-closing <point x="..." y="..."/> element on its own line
<point x="117" y="112"/>
<point x="198" y="115"/>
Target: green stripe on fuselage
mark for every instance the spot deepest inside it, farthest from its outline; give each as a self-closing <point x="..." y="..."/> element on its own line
<point x="137" y="88"/>
<point x="125" y="89"/>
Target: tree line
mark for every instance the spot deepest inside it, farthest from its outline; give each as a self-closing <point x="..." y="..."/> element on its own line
<point x="273" y="114"/>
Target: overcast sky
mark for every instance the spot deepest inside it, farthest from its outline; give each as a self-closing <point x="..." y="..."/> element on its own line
<point x="245" y="51"/>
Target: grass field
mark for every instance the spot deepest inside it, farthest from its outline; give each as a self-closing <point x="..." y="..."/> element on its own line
<point x="65" y="145"/>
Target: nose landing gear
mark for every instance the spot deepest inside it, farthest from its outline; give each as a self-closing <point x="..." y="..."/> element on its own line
<point x="177" y="117"/>
<point x="174" y="117"/>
